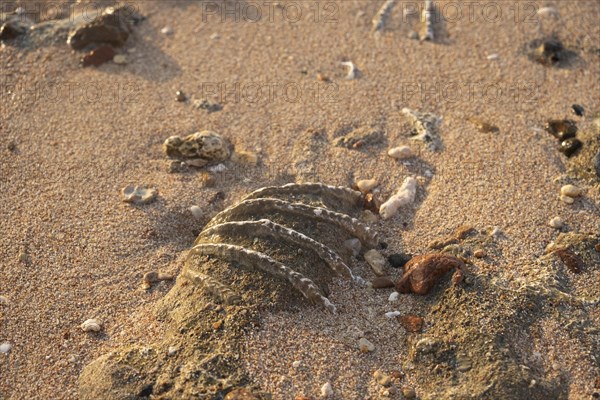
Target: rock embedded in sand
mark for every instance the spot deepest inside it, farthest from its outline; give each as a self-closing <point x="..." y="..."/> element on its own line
<point x="422" y="272"/>
<point x="409" y="392"/>
<point x="111" y="27"/>
<point x="120" y="59"/>
<point x="98" y="56"/>
<point x="196" y="212"/>
<point x="398" y="260"/>
<point x="3" y="301"/>
<point x="353" y="245"/>
<point x="479" y="253"/>
<point x="562" y="129"/>
<point x="412" y="323"/>
<point x="376" y="261"/>
<point x="571" y="191"/>
<point x="556" y="223"/>
<point x="570" y="259"/>
<point x="153" y="277"/>
<point x="366" y="185"/>
<point x="326" y="390"/>
<point x="91" y="325"/>
<point x="405" y="196"/>
<point x="567" y="199"/>
<point x="205" y="146"/>
<point x="400" y="153"/>
<point x="365" y="346"/>
<point x="139" y="194"/>
<point x="382" y="282"/>
<point x="5" y="348"/>
<point x="11" y="30"/>
<point x="578" y="110"/>
<point x="570" y="146"/>
<point x="393" y="297"/>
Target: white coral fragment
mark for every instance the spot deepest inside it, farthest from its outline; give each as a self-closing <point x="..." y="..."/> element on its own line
<point x="404" y="197"/>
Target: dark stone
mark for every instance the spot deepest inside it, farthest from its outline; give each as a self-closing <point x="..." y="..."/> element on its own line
<point x="382" y="282"/>
<point x="570" y="146"/>
<point x="180" y="96"/>
<point x="578" y="110"/>
<point x="597" y="164"/>
<point x="549" y="52"/>
<point x="112" y="27"/>
<point x="98" y="56"/>
<point x="562" y="129"/>
<point x="398" y="260"/>
<point x="11" y="30"/>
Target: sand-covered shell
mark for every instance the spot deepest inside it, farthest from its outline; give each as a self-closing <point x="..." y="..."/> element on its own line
<point x="205" y="145"/>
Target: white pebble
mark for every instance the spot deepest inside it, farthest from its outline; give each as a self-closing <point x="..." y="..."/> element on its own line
<point x="404" y="197"/>
<point x="400" y="153"/>
<point x="496" y="232"/>
<point x="353" y="245"/>
<point x="120" y="59"/>
<point x="394" y="296"/>
<point x="392" y="314"/>
<point x="567" y="199"/>
<point x="366" y="185"/>
<point x="138" y="194"/>
<point x="548" y="12"/>
<point x="326" y="390"/>
<point x="5" y="348"/>
<point x="365" y="346"/>
<point x="196" y="212"/>
<point x="352" y="70"/>
<point x="556" y="223"/>
<point x="167" y="30"/>
<point x="214" y="36"/>
<point x="296" y="364"/>
<point x="571" y="191"/>
<point x="91" y="325"/>
<point x="493" y="56"/>
<point x="218" y="168"/>
<point x="172" y="350"/>
<point x="376" y="261"/>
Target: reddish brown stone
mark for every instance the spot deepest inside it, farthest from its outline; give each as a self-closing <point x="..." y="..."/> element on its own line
<point x="570" y="259"/>
<point x="382" y="282"/>
<point x="412" y="323"/>
<point x="98" y="56"/>
<point x="422" y="272"/>
<point x="597" y="247"/>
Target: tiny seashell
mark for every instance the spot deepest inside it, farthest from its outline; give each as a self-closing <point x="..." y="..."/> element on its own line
<point x="352" y="70"/>
<point x="91" y="325"/>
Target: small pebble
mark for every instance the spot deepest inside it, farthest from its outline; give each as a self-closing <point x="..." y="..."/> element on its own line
<point x="409" y="392"/>
<point x="326" y="390"/>
<point x="5" y="348"/>
<point x="214" y="36"/>
<point x="562" y="129"/>
<point x="548" y="12"/>
<point x="393" y="297"/>
<point x="91" y="325"/>
<point x="382" y="379"/>
<point x="493" y="56"/>
<point x="172" y="350"/>
<point x="196" y="212"/>
<point x="365" y="346"/>
<point x="567" y="199"/>
<point x="382" y="282"/>
<point x="120" y="59"/>
<point x="412" y="323"/>
<point x="353" y="245"/>
<point x="366" y="185"/>
<point x="3" y="301"/>
<point x="578" y="110"/>
<point x="296" y="364"/>
<point x="400" y="153"/>
<point x="139" y="194"/>
<point x="180" y="96"/>
<point x="556" y="223"/>
<point x="479" y="253"/>
<point x="397" y="260"/>
<point x="392" y="314"/>
<point x="167" y="30"/>
<point x="218" y="168"/>
<point x="98" y="56"/>
<point x="376" y="261"/>
<point x="571" y="191"/>
<point x="570" y="146"/>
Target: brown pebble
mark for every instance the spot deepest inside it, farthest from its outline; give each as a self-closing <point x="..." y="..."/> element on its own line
<point x="570" y="259"/>
<point x="479" y="253"/>
<point x="207" y="180"/>
<point x="322" y="78"/>
<point x="422" y="272"/>
<point x="180" y="96"/>
<point x="372" y="203"/>
<point x="98" y="56"/>
<point x="217" y="324"/>
<point x="409" y="392"/>
<point x="382" y="282"/>
<point x="412" y="323"/>
<point x="240" y="394"/>
<point x="463" y="232"/>
<point x="396" y="374"/>
<point x="597" y="247"/>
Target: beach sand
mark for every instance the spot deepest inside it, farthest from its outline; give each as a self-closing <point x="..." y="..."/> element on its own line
<point x="72" y="250"/>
